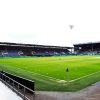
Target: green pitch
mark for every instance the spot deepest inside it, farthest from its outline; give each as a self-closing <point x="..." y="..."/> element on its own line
<point x="49" y="73"/>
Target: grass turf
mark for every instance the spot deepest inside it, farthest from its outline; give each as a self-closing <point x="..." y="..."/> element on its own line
<point x="48" y="72"/>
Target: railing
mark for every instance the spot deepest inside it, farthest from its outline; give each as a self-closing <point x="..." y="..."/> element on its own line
<point x="21" y="90"/>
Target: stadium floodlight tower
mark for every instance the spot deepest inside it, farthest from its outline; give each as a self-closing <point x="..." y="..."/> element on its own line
<point x="71" y="27"/>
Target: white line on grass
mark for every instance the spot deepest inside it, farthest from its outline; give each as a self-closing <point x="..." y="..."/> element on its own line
<point x="52" y="78"/>
<point x="85" y="76"/>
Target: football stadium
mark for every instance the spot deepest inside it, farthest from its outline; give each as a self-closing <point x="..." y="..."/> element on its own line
<point x="53" y="68"/>
<point x="49" y="50"/>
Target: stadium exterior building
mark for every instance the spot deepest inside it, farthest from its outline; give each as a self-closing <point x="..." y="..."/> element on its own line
<point x="90" y="48"/>
<point x="19" y="49"/>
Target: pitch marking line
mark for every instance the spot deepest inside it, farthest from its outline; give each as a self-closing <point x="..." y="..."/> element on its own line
<point x="85" y="76"/>
<point x="52" y="78"/>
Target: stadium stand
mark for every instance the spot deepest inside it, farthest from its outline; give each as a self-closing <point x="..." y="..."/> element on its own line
<point x="87" y="48"/>
<point x="18" y="49"/>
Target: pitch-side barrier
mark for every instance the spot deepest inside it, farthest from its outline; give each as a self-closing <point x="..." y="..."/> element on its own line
<point x="23" y="91"/>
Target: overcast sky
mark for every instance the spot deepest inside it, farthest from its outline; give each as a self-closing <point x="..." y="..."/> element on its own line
<point x="47" y="21"/>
